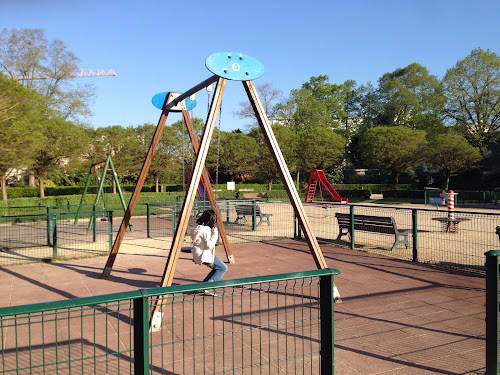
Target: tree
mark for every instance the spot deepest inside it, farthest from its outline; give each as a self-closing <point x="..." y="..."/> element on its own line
<point x="19" y="129"/>
<point x="320" y="148"/>
<point x="238" y="154"/>
<point x="268" y="96"/>
<point x="411" y="97"/>
<point x="287" y="140"/>
<point x="472" y="89"/>
<point x="393" y="148"/>
<point x="62" y="141"/>
<point x="25" y="54"/>
<point x="453" y="154"/>
<point x="316" y="103"/>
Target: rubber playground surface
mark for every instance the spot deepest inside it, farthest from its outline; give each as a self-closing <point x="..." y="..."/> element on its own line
<point x="396" y="317"/>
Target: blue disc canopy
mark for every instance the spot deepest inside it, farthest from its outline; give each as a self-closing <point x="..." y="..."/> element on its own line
<point x="234" y="65"/>
<point x="186" y="104"/>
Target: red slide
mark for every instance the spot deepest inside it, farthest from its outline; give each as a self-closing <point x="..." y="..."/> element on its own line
<point x="318" y="176"/>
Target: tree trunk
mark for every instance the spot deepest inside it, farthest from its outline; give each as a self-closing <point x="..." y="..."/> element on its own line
<point x="269" y="185"/>
<point x="3" y="183"/>
<point x="31" y="178"/>
<point x="41" y="187"/>
<point x="396" y="180"/>
<point x="447" y="182"/>
<point x="156" y="184"/>
<point x="113" y="183"/>
<point x="298" y="178"/>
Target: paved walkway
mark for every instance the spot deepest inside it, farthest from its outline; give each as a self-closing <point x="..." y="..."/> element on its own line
<point x="396" y="317"/>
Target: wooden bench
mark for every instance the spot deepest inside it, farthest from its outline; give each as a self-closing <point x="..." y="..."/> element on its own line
<point x="244" y="210"/>
<point x="378" y="224"/>
<point x="256" y="196"/>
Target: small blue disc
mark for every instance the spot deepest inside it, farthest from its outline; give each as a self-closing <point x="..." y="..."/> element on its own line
<point x="159" y="101"/>
<point x="235" y="66"/>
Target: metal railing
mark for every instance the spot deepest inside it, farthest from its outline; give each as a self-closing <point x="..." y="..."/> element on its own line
<point x="34" y="237"/>
<point x="272" y="324"/>
<point x="492" y="308"/>
<point x="431" y="236"/>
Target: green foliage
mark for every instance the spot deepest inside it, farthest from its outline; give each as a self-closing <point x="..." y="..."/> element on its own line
<point x="453" y="154"/>
<point x="287" y="140"/>
<point x="411" y="97"/>
<point x="394" y="148"/>
<point x="320" y="148"/>
<point x="238" y="155"/>
<point x="472" y="89"/>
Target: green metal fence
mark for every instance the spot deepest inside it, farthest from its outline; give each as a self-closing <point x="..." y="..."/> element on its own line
<point x="34" y="237"/>
<point x="272" y="324"/>
<point x="245" y="220"/>
<point x="492" y="308"/>
<point x="431" y="237"/>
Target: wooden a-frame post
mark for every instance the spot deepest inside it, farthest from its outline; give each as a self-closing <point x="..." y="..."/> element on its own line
<point x="187" y="206"/>
<point x="208" y="187"/>
<point x="293" y="195"/>
<point x="170" y="103"/>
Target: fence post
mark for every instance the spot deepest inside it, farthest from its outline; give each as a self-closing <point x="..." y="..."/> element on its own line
<point x="294" y="225"/>
<point x="351" y="211"/>
<point x="492" y="312"/>
<point x="254" y="215"/>
<point x="54" y="236"/>
<point x="173" y="222"/>
<point x="148" y="221"/>
<point x="414" y="230"/>
<point x="326" y="316"/>
<point x="141" y="335"/>
<point x="110" y="229"/>
<point x="94" y="230"/>
<point x="49" y="231"/>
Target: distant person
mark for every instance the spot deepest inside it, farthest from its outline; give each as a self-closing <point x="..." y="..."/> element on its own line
<point x="443" y="197"/>
<point x="204" y="236"/>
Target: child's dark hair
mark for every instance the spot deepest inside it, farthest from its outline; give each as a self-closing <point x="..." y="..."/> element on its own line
<point x="208" y="218"/>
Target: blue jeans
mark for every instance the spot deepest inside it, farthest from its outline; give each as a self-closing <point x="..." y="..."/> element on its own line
<point x="218" y="270"/>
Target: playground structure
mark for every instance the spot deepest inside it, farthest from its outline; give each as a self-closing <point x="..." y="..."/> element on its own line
<point x="224" y="66"/>
<point x="106" y="165"/>
<point x="317" y="177"/>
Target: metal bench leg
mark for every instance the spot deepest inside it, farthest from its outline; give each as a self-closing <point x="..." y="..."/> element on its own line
<point x="342" y="233"/>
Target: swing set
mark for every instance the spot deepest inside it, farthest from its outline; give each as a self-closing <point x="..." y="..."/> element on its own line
<point x="105" y="166"/>
<point x="224" y="66"/>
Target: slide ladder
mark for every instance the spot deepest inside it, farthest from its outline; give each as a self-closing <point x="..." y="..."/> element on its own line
<point x="317" y="176"/>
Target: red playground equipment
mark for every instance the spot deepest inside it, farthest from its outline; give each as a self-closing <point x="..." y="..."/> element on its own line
<point x="202" y="190"/>
<point x="318" y="176"/>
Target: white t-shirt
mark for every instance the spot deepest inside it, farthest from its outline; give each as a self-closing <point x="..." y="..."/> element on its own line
<point x="203" y="243"/>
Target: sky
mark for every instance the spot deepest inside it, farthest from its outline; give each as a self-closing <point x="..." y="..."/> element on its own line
<point x="157" y="46"/>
